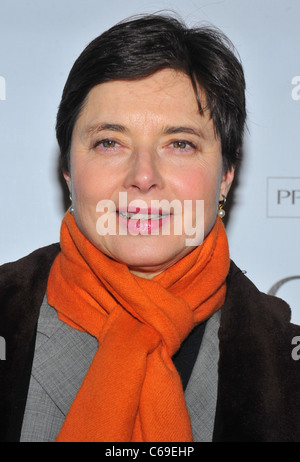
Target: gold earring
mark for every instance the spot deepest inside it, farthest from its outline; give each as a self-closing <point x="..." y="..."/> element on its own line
<point x="221" y="211"/>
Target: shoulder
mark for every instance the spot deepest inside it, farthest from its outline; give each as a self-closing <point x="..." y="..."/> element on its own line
<point x="23" y="273"/>
<point x="23" y="282"/>
<point x="39" y="260"/>
<point x="256" y="323"/>
<point x="244" y="298"/>
<point x="251" y="316"/>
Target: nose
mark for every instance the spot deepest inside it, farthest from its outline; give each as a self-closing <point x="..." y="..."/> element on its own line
<point x="144" y="174"/>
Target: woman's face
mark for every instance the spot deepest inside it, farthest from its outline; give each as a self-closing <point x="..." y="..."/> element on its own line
<point x="145" y="141"/>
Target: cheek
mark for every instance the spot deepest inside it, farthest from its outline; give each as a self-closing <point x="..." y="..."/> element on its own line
<point x="201" y="185"/>
<point x="91" y="184"/>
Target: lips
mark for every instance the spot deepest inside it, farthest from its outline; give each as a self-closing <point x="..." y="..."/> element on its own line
<point x="143" y="215"/>
<point x="143" y="221"/>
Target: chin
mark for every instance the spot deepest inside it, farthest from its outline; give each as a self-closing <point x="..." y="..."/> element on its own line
<point x="153" y="255"/>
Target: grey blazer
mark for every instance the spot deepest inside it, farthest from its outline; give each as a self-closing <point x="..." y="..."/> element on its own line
<point x="62" y="358"/>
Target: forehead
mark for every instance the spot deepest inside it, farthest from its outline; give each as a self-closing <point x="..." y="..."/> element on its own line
<point x="166" y="81"/>
<point x="168" y="96"/>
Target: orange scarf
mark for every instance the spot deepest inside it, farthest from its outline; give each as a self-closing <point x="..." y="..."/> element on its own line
<point x="132" y="391"/>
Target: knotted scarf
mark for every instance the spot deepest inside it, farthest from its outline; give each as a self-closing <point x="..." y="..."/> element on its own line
<point x="132" y="391"/>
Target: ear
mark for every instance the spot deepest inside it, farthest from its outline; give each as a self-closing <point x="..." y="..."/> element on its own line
<point x="67" y="177"/>
<point x="226" y="183"/>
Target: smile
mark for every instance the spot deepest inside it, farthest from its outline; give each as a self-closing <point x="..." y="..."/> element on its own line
<point x="144" y="221"/>
<point x="142" y="216"/>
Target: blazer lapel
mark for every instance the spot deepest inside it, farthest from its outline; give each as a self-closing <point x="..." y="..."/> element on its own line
<point x="62" y="358"/>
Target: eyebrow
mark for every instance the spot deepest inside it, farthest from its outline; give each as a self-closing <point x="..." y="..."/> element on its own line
<point x="182" y="129"/>
<point x="99" y="127"/>
<point x="96" y="128"/>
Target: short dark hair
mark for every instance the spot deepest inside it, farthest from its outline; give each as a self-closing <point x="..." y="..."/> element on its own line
<point x="139" y="47"/>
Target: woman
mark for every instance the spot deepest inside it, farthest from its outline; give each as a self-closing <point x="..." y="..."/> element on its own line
<point x="138" y="327"/>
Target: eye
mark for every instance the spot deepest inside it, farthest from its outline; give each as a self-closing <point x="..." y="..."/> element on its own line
<point x="183" y="145"/>
<point x="106" y="143"/>
<point x="180" y="144"/>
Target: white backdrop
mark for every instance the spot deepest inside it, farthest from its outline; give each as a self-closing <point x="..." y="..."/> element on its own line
<point x="39" y="41"/>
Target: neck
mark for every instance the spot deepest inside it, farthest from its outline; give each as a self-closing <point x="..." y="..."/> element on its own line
<point x="144" y="274"/>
